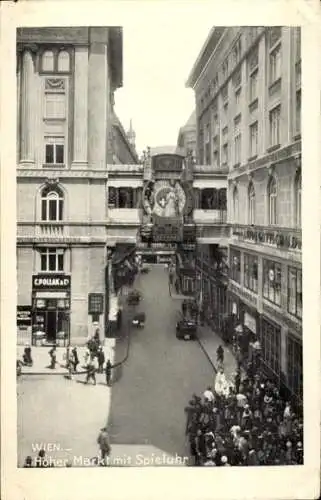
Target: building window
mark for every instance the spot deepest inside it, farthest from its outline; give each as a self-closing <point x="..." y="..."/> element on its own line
<point x="238" y="98"/>
<point x="295" y="366"/>
<point x="225" y="69"/>
<point x="253" y="87"/>
<point x="275" y="64"/>
<point x="275" y="34"/>
<point x="216" y="159"/>
<point x="237" y="140"/>
<point x="209" y="199"/>
<point x="235" y="265"/>
<point x="54" y="150"/>
<point x="55" y="106"/>
<point x="272" y="275"/>
<point x="272" y="200"/>
<point x="254" y="139"/>
<point x="225" y="93"/>
<point x="251" y="272"/>
<point x="298" y="207"/>
<point x="225" y="154"/>
<point x="271" y="346"/>
<point x="52" y="259"/>
<point x="236" y="204"/>
<point x="237" y="149"/>
<point x="215" y="125"/>
<point x="48" y="61"/>
<point x="201" y="146"/>
<point x="298" y="112"/>
<point x="207" y="146"/>
<point x="251" y="204"/>
<point x="295" y="292"/>
<point x="274" y="118"/>
<point x="125" y="198"/>
<point x="63" y="61"/>
<point x="253" y="60"/>
<point x="52" y="203"/>
<point x="237" y="51"/>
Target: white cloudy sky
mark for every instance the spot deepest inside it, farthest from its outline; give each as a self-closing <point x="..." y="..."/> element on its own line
<point x="157" y="60"/>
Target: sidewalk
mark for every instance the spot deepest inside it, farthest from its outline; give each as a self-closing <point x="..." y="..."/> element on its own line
<point x="209" y="342"/>
<point x="41" y="359"/>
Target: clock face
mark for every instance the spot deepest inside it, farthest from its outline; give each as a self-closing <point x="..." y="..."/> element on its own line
<point x="166" y="200"/>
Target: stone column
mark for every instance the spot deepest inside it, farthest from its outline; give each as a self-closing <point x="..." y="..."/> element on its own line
<point x="80" y="107"/>
<point x="98" y="97"/>
<point x="27" y="129"/>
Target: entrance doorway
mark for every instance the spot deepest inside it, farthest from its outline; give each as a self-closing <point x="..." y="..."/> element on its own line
<point x="51" y="326"/>
<point x="51" y="316"/>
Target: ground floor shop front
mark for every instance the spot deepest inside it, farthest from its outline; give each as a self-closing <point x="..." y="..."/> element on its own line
<point x="69" y="303"/>
<point x="280" y="340"/>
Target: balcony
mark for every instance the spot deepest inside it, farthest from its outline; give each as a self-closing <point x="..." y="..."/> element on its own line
<point x="209" y="216"/>
<point x="276" y="237"/>
<point x="51" y="230"/>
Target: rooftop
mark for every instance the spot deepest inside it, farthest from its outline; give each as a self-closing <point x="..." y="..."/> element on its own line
<point x="206" y="51"/>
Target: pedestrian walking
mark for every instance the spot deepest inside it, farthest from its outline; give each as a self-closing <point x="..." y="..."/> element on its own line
<point x="75" y="359"/>
<point x="101" y="359"/>
<point x="53" y="357"/>
<point x="220" y="354"/>
<point x="108" y="370"/>
<point x="104" y="445"/>
<point x="91" y="371"/>
<point x="87" y="354"/>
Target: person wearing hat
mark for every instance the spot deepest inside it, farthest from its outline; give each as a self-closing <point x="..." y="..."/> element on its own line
<point x="27" y="357"/>
<point x="225" y="461"/>
<point x="104" y="445"/>
<point x="101" y="359"/>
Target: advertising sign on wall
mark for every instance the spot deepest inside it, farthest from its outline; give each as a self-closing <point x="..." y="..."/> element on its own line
<point x="250" y="322"/>
<point x="51" y="281"/>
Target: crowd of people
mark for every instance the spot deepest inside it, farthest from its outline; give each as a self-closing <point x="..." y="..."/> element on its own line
<point x="94" y="360"/>
<point x="243" y="422"/>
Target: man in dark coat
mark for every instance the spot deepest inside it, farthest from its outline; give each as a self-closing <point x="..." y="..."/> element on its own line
<point x="104" y="445"/>
<point x="108" y="369"/>
<point x="75" y="359"/>
<point x="101" y="359"/>
<point x="53" y="357"/>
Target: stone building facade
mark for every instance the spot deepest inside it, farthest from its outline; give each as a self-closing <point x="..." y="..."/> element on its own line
<point x="66" y="81"/>
<point x="247" y="85"/>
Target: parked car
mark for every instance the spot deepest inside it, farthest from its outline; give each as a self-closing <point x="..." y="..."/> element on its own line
<point x="139" y="320"/>
<point x="133" y="298"/>
<point x="186" y="329"/>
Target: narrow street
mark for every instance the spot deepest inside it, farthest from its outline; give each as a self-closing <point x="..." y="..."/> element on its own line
<point x="161" y="374"/>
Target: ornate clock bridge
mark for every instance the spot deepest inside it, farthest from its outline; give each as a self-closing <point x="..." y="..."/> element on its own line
<point x="168" y="209"/>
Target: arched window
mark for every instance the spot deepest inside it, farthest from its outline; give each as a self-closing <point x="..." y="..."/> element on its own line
<point x="236" y="204"/>
<point x="47" y="61"/>
<point x="52" y="203"/>
<point x="272" y="197"/>
<point x="63" y="61"/>
<point x="297" y="191"/>
<point x="251" y="204"/>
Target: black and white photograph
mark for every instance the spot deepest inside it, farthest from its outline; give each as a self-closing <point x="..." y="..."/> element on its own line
<point x="159" y="271"/>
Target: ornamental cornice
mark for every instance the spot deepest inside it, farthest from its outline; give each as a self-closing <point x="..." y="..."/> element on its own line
<point x="62" y="174"/>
